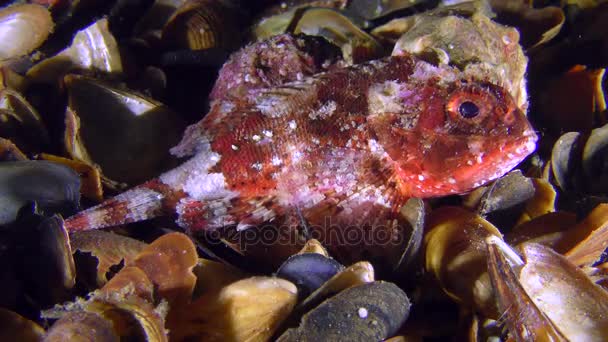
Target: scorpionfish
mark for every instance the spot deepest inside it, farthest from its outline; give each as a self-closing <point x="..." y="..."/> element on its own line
<point x="341" y="149"/>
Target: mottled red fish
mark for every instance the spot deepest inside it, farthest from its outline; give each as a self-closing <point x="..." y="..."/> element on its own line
<point x="341" y="149"/>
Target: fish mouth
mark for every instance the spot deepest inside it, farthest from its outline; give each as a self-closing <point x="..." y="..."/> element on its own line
<point x="486" y="167"/>
<point x="507" y="158"/>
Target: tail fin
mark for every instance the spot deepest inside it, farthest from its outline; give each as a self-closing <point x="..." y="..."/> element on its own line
<point x="146" y="201"/>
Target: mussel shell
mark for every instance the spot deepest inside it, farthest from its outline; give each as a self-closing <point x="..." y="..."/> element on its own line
<point x="276" y="19"/>
<point x="523" y="318"/>
<point x="82" y="326"/>
<point x="564" y="159"/>
<point x="212" y="276"/>
<point x="151" y="23"/>
<point x="546" y="229"/>
<point x="52" y="186"/>
<point x="308" y="271"/>
<point x="455" y="253"/>
<point x="506" y="192"/>
<point x="126" y="134"/>
<point x="44" y="260"/>
<point x="585" y="243"/>
<point x="11" y="79"/>
<point x="10" y="152"/>
<point x="414" y="213"/>
<point x="373" y="9"/>
<point x="131" y="317"/>
<point x="23" y="28"/>
<point x="168" y="262"/>
<point x="357" y="46"/>
<point x="246" y="310"/>
<point x="595" y="160"/>
<point x="21" y="123"/>
<point x="14" y="327"/>
<point x="93" y="49"/>
<point x="354" y="275"/>
<point x="123" y="308"/>
<point x="369" y="312"/>
<point x="90" y="176"/>
<point x="314" y="246"/>
<point x="565" y="294"/>
<point x="134" y="279"/>
<point x="108" y="248"/>
<point x="537" y="25"/>
<point x="569" y="100"/>
<point x="202" y="24"/>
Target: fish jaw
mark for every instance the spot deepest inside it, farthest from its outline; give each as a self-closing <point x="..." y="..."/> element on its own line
<point x="457" y="170"/>
<point x="486" y="167"/>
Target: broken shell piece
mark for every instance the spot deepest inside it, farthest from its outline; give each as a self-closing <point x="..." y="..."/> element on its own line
<point x="14" y="327"/>
<point x="308" y="271"/>
<point x="168" y="262"/>
<point x="122" y="308"/>
<point x="523" y="318"/>
<point x="23" y="28"/>
<point x="142" y="130"/>
<point x="247" y="310"/>
<point x="134" y="279"/>
<point x="109" y="249"/>
<point x="93" y="48"/>
<point x="369" y="312"/>
<point x="565" y="294"/>
<point x="456" y="255"/>
<point x="82" y="326"/>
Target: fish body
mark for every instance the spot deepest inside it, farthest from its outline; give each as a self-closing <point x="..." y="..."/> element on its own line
<point x="337" y="150"/>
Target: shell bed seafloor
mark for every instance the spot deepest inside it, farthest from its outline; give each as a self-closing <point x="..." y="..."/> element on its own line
<point x="226" y="170"/>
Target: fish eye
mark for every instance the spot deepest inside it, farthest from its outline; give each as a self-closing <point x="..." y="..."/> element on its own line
<point x="468" y="110"/>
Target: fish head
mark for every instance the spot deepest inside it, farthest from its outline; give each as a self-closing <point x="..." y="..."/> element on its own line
<point x="450" y="137"/>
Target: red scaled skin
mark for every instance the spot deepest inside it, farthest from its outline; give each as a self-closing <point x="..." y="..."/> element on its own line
<point x="341" y="149"/>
